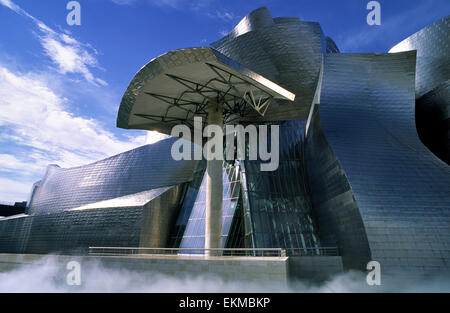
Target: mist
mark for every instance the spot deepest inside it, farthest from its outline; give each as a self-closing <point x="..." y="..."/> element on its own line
<point x="49" y="276"/>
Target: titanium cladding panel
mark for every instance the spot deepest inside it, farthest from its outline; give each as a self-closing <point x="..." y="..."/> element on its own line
<point x="433" y="58"/>
<point x="402" y="190"/>
<point x="432" y="85"/>
<point x="145" y="168"/>
<point x="286" y="51"/>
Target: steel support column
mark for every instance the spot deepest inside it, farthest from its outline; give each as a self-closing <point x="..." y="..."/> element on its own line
<point x="214" y="188"/>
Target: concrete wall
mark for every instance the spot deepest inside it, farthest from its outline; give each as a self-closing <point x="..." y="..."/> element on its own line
<point x="261" y="269"/>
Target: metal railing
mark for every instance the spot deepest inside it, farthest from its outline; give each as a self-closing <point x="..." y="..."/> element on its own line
<point x="195" y="252"/>
<point x="224" y="252"/>
<point x="319" y="251"/>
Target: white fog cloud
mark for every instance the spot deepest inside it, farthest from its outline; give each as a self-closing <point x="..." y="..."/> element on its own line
<point x="48" y="275"/>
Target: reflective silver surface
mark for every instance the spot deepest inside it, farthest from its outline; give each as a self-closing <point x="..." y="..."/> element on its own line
<point x="433" y="59"/>
<point x="129" y="173"/>
<point x="285" y="50"/>
<point x="379" y="192"/>
<point x="432" y="85"/>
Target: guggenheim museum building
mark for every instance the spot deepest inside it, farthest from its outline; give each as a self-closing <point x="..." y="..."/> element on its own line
<point x="363" y="155"/>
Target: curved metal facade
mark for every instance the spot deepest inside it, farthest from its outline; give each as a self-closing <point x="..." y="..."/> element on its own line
<point x="130" y="199"/>
<point x="433" y="59"/>
<point x="400" y="188"/>
<point x="286" y="51"/>
<point x="376" y="190"/>
<point x="132" y="172"/>
<point x="432" y="85"/>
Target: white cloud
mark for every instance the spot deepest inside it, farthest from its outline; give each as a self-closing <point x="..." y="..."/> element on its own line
<point x="153" y="137"/>
<point x="36" y="123"/>
<point x="67" y="53"/>
<point x="160" y="3"/>
<point x="124" y="2"/>
<point x="203" y="6"/>
<point x="223" y="32"/>
<point x="14" y="191"/>
<point x="35" y="119"/>
<point x="12" y="164"/>
<point x="70" y="58"/>
<point x="225" y="15"/>
<point x="40" y="119"/>
<point x="11" y="5"/>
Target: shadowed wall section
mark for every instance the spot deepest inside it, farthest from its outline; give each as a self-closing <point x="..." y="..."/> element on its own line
<point x="158" y="218"/>
<point x="335" y="207"/>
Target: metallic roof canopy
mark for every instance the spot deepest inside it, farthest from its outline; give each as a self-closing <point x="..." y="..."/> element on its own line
<point x="174" y="87"/>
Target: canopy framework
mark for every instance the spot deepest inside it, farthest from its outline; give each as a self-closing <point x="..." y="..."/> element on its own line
<point x="236" y="104"/>
<point x="180" y="85"/>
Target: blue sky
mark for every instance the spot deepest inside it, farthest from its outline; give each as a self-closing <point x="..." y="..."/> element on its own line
<point x="61" y="85"/>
